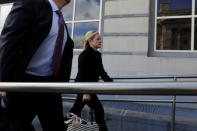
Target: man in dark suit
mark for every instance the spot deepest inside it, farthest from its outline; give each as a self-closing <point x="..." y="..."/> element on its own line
<point x="35" y="47"/>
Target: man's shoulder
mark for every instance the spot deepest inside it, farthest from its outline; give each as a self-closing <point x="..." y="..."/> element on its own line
<point x="29" y="1"/>
<point x="36" y="6"/>
<point x="32" y="3"/>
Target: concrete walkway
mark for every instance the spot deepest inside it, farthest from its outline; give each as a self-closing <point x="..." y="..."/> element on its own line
<point x="128" y="120"/>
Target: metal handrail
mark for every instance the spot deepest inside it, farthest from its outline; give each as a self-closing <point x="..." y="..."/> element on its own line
<point x="173" y="77"/>
<point x="136" y="100"/>
<point x="132" y="88"/>
<point x="158" y="77"/>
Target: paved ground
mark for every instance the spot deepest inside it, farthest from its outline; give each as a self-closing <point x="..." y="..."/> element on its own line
<point x="145" y="118"/>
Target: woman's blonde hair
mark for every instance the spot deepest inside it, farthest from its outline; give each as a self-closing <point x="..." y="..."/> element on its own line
<point x="89" y="35"/>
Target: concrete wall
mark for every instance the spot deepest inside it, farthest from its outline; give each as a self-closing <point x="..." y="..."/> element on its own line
<point x="126" y="39"/>
<point x="125" y="36"/>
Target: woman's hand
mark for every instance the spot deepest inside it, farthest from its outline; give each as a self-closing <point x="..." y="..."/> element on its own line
<point x="76" y="122"/>
<point x="86" y="97"/>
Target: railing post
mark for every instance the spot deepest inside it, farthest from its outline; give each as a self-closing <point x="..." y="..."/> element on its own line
<point x="173" y="113"/>
<point x="174" y="78"/>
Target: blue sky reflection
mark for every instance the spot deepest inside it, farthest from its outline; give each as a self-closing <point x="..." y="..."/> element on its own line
<point x="175" y="5"/>
<point x="80" y="31"/>
<point x="87" y="9"/>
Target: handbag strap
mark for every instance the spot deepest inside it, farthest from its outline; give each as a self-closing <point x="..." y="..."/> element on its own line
<point x="72" y="116"/>
<point x="91" y="116"/>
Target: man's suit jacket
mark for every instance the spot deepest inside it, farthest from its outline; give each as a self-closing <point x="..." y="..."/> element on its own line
<point x="26" y="27"/>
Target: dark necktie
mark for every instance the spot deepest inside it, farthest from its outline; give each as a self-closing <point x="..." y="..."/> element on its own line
<point x="58" y="45"/>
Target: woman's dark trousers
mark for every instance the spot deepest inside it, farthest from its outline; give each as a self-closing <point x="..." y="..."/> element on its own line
<point x="95" y="105"/>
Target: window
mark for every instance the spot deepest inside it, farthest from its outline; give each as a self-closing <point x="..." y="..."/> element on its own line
<point x="175" y="26"/>
<point x="82" y="16"/>
<point x="4" y="10"/>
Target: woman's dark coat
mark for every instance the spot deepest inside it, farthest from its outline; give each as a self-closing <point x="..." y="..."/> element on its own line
<point x="90" y="67"/>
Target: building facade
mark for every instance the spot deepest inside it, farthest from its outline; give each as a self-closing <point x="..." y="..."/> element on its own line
<point x="139" y="37"/>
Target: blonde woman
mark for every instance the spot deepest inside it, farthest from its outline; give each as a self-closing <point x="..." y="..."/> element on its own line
<point x="90" y="68"/>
